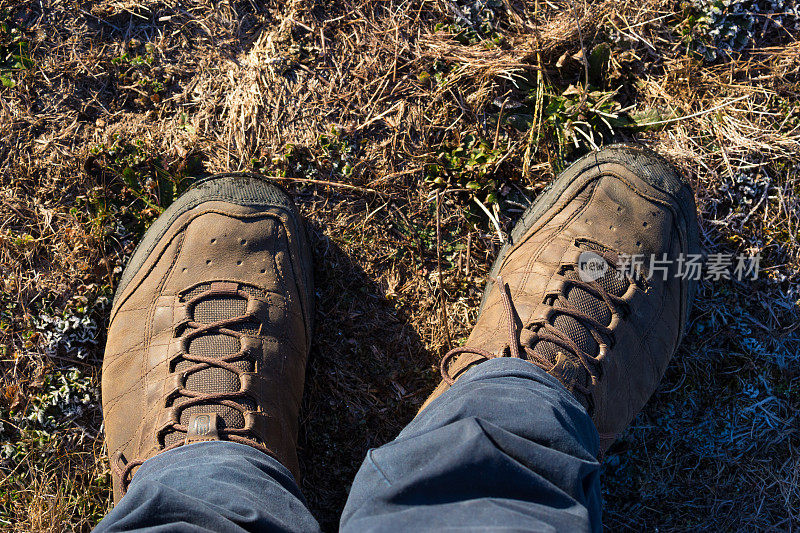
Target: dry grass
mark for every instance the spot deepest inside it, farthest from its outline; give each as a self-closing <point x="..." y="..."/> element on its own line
<point x="352" y="103"/>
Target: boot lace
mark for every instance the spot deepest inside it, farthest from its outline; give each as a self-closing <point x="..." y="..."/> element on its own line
<point x="187" y="330"/>
<point x="521" y="341"/>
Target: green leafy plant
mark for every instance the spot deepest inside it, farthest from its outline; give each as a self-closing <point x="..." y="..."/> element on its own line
<point x="138" y="185"/>
<point x="339" y="153"/>
<point x="475" y="21"/>
<point x="134" y="61"/>
<point x="137" y="76"/>
<point x="334" y="155"/>
<point x="14" y="51"/>
<point x="470" y="165"/>
<point x="577" y="119"/>
<point x="439" y="73"/>
<point x="295" y="161"/>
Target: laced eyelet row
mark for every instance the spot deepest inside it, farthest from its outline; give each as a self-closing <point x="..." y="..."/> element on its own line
<point x="543" y="330"/>
<point x="186" y="330"/>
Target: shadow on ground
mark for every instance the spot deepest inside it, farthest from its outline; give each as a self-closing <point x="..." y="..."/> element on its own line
<point x="364" y="382"/>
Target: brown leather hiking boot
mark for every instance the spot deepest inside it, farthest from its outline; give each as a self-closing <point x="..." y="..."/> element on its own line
<point x="604" y="333"/>
<point x="210" y="327"/>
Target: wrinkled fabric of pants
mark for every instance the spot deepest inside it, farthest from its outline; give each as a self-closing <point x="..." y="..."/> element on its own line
<point x="506" y="448"/>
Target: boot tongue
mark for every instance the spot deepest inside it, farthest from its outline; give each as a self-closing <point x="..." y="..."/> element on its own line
<point x="216" y="380"/>
<point x="590" y="305"/>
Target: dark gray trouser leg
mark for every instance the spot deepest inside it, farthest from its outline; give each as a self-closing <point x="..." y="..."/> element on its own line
<point x="211" y="486"/>
<point x="507" y="447"/>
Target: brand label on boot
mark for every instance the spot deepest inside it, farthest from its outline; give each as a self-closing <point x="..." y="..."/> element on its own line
<point x="202" y="427"/>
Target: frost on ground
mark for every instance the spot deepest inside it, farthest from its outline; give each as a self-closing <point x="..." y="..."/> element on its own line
<point x="723" y="27"/>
